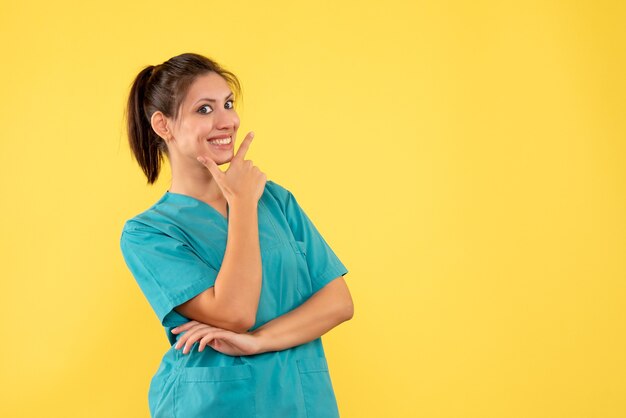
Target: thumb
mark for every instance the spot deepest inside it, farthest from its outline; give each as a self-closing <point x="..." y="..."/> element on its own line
<point x="212" y="167"/>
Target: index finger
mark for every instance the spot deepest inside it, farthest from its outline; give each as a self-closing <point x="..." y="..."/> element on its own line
<point x="185" y="326"/>
<point x="243" y="148"/>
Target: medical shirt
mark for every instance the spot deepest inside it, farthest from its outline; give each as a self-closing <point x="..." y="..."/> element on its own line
<point x="174" y="250"/>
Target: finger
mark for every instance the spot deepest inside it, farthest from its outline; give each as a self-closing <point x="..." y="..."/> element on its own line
<point x="204" y="341"/>
<point x="188" y="346"/>
<point x="190" y="333"/>
<point x="194" y="328"/>
<point x="184" y="327"/>
<point x="215" y="344"/>
<point x="212" y="336"/>
<point x="195" y="336"/>
<point x="190" y="336"/>
<point x="212" y="167"/>
<point x="243" y="148"/>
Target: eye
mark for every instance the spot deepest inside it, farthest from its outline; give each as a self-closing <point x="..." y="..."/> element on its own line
<point x="202" y="107"/>
<point x="232" y="104"/>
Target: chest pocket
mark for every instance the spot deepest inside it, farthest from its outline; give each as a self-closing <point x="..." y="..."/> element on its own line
<point x="303" y="277"/>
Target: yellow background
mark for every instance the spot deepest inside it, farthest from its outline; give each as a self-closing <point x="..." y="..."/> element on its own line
<point x="466" y="161"/>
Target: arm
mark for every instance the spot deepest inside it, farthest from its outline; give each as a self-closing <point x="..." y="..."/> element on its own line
<point x="326" y="309"/>
<point x="233" y="300"/>
<point x="323" y="311"/>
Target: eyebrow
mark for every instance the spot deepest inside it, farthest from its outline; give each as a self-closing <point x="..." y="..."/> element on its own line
<point x="212" y="100"/>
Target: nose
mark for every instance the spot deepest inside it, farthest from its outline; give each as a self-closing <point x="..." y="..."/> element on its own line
<point x="225" y="119"/>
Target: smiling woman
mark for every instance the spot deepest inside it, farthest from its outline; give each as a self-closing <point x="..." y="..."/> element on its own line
<point x="237" y="273"/>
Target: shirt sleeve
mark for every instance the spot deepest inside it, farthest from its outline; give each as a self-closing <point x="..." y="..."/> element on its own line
<point x="167" y="270"/>
<point x="324" y="265"/>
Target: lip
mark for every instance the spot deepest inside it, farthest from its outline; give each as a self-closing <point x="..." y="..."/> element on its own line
<point x="219" y="136"/>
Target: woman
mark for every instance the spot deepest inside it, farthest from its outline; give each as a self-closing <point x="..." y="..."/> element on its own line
<point x="236" y="272"/>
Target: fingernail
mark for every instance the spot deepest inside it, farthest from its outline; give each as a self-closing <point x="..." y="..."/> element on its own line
<point x="202" y="160"/>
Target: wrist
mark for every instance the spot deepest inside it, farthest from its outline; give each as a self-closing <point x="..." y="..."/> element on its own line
<point x="261" y="339"/>
<point x="241" y="202"/>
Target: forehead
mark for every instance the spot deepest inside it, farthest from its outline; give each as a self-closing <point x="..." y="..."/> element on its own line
<point x="211" y="85"/>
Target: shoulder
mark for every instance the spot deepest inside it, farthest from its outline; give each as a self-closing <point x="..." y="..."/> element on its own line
<point x="278" y="192"/>
<point x="144" y="221"/>
<point x="153" y="221"/>
<point x="276" y="189"/>
<point x="159" y="217"/>
<point x="136" y="231"/>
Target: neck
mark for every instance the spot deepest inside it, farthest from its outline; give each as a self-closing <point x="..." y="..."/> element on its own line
<point x="195" y="180"/>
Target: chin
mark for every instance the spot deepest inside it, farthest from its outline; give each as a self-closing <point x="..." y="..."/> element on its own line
<point x="224" y="160"/>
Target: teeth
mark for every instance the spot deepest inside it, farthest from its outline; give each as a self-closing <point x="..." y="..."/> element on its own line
<point x="221" y="141"/>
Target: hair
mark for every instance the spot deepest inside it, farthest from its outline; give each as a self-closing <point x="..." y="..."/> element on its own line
<point x="163" y="88"/>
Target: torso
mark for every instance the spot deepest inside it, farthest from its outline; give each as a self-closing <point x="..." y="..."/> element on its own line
<point x="212" y="383"/>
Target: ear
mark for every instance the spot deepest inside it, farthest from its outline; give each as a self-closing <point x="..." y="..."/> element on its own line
<point x="161" y="125"/>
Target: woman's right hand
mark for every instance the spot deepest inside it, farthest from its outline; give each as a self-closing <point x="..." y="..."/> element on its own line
<point x="242" y="180"/>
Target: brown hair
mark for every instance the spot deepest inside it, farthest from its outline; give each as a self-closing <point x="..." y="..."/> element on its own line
<point x="163" y="88"/>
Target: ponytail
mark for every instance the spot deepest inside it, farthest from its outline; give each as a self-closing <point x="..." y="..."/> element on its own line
<point x="142" y="139"/>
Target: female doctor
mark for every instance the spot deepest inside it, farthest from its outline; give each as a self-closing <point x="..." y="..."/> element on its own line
<point x="236" y="272"/>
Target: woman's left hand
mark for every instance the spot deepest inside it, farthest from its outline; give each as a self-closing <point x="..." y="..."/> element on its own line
<point x="222" y="340"/>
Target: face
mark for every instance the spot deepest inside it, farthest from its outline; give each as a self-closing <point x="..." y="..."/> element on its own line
<point x="207" y="123"/>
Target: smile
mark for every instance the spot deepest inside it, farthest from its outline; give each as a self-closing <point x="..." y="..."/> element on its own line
<point x="223" y="141"/>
